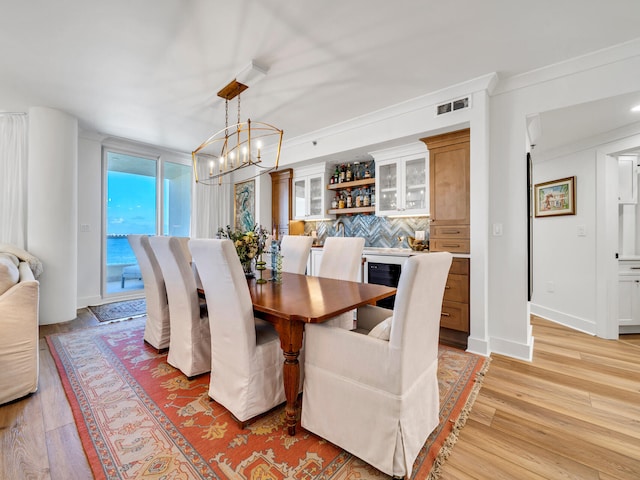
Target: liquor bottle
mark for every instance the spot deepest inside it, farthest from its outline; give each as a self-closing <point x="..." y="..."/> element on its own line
<point x="358" y="198"/>
<point x="366" y="200"/>
<point x="336" y="175"/>
<point x="349" y="200"/>
<point x="341" y="202"/>
<point x="349" y="173"/>
<point x="342" y="173"/>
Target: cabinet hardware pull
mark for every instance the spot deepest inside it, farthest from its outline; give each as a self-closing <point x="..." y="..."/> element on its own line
<point x="451" y="245"/>
<point x="451" y="232"/>
<point x="446" y="287"/>
<point x="443" y="314"/>
<point x="635" y="268"/>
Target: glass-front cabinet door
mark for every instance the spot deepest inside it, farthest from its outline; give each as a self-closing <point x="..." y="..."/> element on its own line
<point x="310" y="192"/>
<point x="416" y="188"/>
<point x="300" y="198"/>
<point x="402" y="181"/>
<point x="387" y="178"/>
<point x="316" y="196"/>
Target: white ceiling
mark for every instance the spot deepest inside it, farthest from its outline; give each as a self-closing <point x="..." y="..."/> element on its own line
<point x="149" y="70"/>
<point x="566" y="126"/>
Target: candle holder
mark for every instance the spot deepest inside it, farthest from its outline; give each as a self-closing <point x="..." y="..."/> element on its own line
<point x="261" y="266"/>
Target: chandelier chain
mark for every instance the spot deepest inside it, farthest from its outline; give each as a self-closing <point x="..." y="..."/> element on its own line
<point x="226" y="117"/>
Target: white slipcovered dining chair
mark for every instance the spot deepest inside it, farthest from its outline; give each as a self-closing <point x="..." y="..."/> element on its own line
<point x="295" y="251"/>
<point x="156" y="329"/>
<point x="342" y="260"/>
<point x="190" y="340"/>
<point x="246" y="358"/>
<point x="376" y="395"/>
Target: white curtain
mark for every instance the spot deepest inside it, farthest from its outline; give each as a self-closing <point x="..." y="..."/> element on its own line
<point x="13" y="184"/>
<point x="213" y="206"/>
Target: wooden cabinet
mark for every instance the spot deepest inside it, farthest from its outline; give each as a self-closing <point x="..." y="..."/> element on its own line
<point x="454" y="319"/>
<point x="281" y="201"/>
<point x="449" y="180"/>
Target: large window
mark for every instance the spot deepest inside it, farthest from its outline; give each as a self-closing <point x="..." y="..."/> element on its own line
<point x="138" y="203"/>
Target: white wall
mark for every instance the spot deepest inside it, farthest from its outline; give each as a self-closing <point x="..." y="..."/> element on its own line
<point x="564" y="274"/>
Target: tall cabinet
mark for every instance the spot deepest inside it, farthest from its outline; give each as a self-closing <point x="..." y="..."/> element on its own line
<point x="281" y="201"/>
<point x="449" y="230"/>
<point x="449" y="179"/>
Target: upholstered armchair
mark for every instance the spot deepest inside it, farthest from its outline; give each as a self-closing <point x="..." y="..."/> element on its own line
<point x="19" y="300"/>
<point x="157" y="328"/>
<point x="246" y="358"/>
<point x="376" y="395"/>
<point x="189" y="342"/>
<point x="342" y="259"/>
<point x="295" y="251"/>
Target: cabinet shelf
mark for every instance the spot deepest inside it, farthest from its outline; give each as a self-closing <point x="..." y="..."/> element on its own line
<point x="352" y="210"/>
<point x="356" y="183"/>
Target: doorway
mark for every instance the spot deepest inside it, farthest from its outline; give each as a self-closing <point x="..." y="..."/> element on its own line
<point x="579" y="287"/>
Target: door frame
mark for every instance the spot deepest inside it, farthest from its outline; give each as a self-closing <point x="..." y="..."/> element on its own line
<point x="607" y="323"/>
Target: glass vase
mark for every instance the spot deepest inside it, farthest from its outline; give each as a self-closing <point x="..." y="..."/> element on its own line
<point x="247" y="267"/>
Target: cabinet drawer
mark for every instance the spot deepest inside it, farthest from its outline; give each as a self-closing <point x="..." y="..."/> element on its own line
<point x="453" y="245"/>
<point x="450" y="231"/>
<point x="455" y="316"/>
<point x="460" y="266"/>
<point x="457" y="288"/>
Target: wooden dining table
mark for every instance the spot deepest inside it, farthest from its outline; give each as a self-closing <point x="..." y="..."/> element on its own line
<point x="299" y="299"/>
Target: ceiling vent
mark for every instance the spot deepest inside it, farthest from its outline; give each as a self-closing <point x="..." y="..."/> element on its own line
<point x="452" y="106"/>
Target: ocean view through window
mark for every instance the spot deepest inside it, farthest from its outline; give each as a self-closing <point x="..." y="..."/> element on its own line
<point x="134" y="197"/>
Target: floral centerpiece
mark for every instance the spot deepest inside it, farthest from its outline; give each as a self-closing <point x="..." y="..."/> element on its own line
<point x="249" y="244"/>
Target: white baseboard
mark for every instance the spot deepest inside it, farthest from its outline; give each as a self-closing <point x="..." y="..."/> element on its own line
<point x="509" y="348"/>
<point x="478" y="346"/>
<point x="571" y="321"/>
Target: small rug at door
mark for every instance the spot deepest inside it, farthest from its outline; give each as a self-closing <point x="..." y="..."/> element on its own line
<point x="138" y="417"/>
<point x="119" y="310"/>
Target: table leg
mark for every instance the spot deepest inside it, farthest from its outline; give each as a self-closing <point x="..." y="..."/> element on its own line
<point x="291" y="333"/>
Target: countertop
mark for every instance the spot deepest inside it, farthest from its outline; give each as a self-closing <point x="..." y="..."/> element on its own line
<point x="395" y="252"/>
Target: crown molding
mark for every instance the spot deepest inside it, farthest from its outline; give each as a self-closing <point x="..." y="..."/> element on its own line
<point x="569" y="67"/>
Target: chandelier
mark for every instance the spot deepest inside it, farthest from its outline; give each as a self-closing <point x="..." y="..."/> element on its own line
<point x="237" y="146"/>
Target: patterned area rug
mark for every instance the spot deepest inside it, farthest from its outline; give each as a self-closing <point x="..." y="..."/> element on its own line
<point x="138" y="417"/>
<point x="119" y="310"/>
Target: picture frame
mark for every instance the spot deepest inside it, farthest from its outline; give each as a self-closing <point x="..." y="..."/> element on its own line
<point x="557" y="197"/>
<point x="244" y="205"/>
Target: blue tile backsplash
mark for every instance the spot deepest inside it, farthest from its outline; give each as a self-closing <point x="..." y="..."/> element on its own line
<point x="377" y="231"/>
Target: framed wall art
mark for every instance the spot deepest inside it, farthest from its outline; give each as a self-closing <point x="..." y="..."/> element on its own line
<point x="557" y="197"/>
<point x="244" y="205"/>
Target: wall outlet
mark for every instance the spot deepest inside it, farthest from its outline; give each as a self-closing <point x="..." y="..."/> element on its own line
<point x="551" y="287"/>
<point x="419" y="235"/>
<point x="85" y="227"/>
<point x="497" y="229"/>
<point x="581" y="230"/>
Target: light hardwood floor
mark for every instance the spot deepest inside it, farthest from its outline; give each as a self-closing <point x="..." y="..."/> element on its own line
<point x="571" y="413"/>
